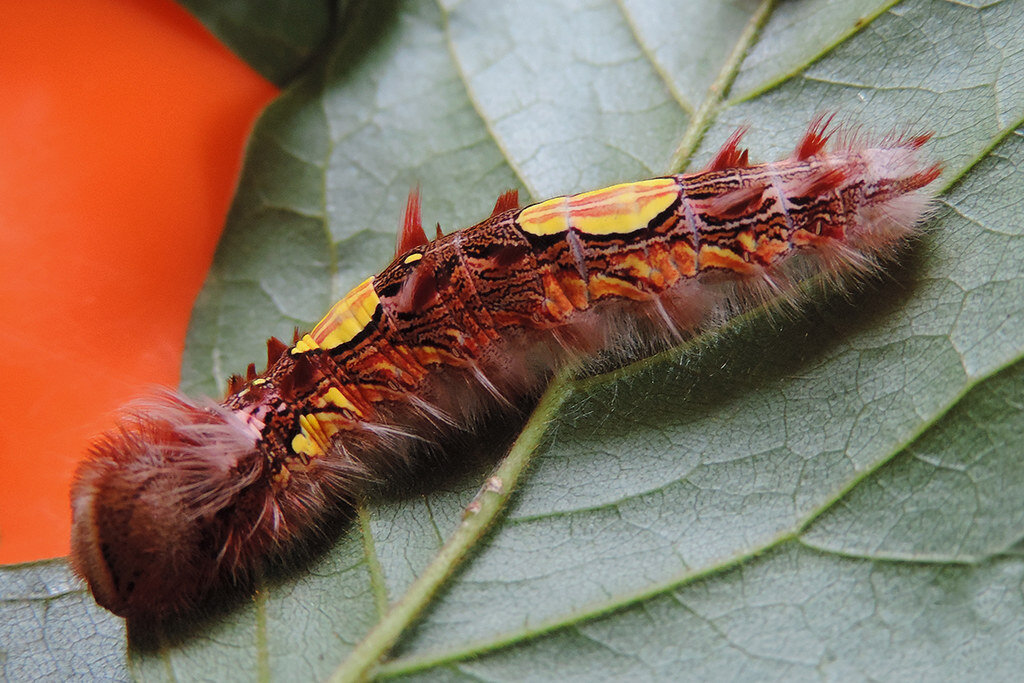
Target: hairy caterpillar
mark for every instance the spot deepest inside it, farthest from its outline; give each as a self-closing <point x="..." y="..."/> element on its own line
<point x="187" y="496"/>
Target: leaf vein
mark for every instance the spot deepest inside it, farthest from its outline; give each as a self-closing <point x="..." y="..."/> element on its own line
<point x="658" y="68"/>
<point x="470" y="95"/>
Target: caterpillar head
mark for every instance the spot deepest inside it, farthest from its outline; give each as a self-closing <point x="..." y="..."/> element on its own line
<point x="895" y="183"/>
<point x="861" y="202"/>
<point x="151" y="505"/>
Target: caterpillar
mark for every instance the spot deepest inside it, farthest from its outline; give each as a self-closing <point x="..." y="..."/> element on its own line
<point x="184" y="497"/>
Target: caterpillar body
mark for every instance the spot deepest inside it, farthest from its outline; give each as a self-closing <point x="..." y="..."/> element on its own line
<point x="184" y="496"/>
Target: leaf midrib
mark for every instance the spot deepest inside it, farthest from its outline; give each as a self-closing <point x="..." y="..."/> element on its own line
<point x="658" y="68"/>
<point x="405" y="665"/>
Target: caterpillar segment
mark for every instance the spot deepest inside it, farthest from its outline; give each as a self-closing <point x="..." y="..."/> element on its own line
<point x="184" y="496"/>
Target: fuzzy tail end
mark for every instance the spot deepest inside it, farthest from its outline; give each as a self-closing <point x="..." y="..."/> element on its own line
<point x="147" y="533"/>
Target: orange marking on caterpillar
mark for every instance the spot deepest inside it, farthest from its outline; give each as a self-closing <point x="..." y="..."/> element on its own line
<point x="574" y="289"/>
<point x="685" y="258"/>
<point x="767" y="251"/>
<point x="557" y="304"/>
<point x="603" y="286"/>
<point x="725" y="259"/>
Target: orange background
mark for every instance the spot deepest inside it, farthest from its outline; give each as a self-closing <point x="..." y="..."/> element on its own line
<point x="122" y="124"/>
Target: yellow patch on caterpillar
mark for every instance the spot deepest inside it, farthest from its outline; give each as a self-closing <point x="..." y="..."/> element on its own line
<point x="315" y="434"/>
<point x="304" y="345"/>
<point x="717" y="257"/>
<point x="618" y="209"/>
<point x="747" y="241"/>
<point x="431" y="355"/>
<point x="556" y="303"/>
<point x="412" y="258"/>
<point x="603" y="286"/>
<point x="547" y="218"/>
<point x="281" y="479"/>
<point x="344" y="321"/>
<point x="337" y="399"/>
<point x="304" y="445"/>
<point x="636" y="266"/>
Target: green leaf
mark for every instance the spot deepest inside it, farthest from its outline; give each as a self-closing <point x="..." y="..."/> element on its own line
<point x="52" y="630"/>
<point x="952" y="496"/>
<point x="832" y="493"/>
<point x="276" y="37"/>
<point x="914" y="575"/>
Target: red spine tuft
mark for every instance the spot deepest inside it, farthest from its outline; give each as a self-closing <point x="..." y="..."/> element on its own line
<point x="824" y="182"/>
<point x="918" y="141"/>
<point x="730" y="156"/>
<point x="275" y="349"/>
<point x="235" y="384"/>
<point x="507" y="201"/>
<point x="737" y="202"/>
<point x="922" y="178"/>
<point x="412" y="234"/>
<point x="814" y="140"/>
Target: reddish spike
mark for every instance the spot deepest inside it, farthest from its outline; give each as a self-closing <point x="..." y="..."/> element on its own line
<point x="918" y="142"/>
<point x="507" y="201"/>
<point x="296" y="336"/>
<point x="250" y="372"/>
<point x="729" y="156"/>
<point x="923" y="178"/>
<point x="737" y="203"/>
<point x="412" y="234"/>
<point x="815" y="138"/>
<point x="439" y="233"/>
<point x="826" y="182"/>
<point x="235" y="384"/>
<point x="275" y="349"/>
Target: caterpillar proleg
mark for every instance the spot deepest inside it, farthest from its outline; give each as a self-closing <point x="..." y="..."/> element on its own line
<point x="184" y="496"/>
